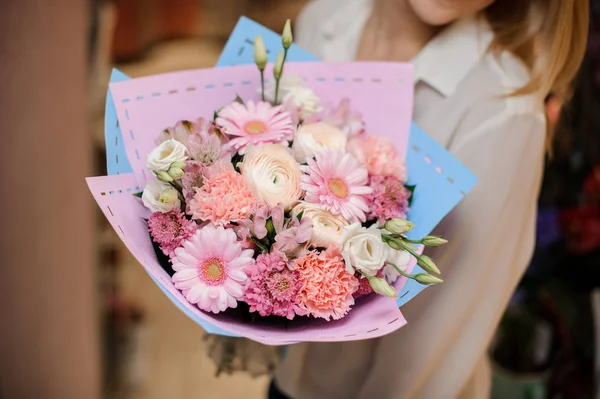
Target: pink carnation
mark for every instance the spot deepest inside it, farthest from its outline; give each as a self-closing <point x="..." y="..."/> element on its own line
<point x="379" y="155"/>
<point x="326" y="287"/>
<point x="170" y="229"/>
<point x="388" y="200"/>
<point x="272" y="287"/>
<point x="223" y="199"/>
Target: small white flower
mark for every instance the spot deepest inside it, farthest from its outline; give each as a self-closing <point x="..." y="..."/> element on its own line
<point x="165" y="154"/>
<point x="295" y="96"/>
<point x="326" y="227"/>
<point x="312" y="137"/>
<point x="363" y="249"/>
<point x="160" y="197"/>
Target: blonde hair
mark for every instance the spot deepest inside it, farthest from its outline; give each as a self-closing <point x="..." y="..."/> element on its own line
<point x="549" y="36"/>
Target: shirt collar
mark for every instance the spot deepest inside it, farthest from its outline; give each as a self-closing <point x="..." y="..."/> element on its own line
<point x="442" y="64"/>
<point x="449" y="56"/>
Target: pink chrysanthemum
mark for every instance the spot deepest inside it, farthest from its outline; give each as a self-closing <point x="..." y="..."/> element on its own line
<point x="388" y="200"/>
<point x="170" y="229"/>
<point x="326" y="287"/>
<point x="272" y="287"/>
<point x="223" y="199"/>
<point x="254" y="124"/>
<point x="209" y="269"/>
<point x="379" y="155"/>
<point x="337" y="182"/>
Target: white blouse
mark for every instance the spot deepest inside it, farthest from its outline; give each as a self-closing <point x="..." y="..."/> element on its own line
<point x="459" y="101"/>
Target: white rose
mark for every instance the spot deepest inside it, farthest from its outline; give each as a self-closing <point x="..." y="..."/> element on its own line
<point x="312" y="137"/>
<point x="273" y="174"/>
<point x="362" y="249"/>
<point x="160" y="197"/>
<point x="400" y="259"/>
<point x="165" y="154"/>
<point x="327" y="228"/>
<point x="295" y="96"/>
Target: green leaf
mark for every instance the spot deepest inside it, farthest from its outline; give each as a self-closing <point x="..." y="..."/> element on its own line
<point x="238" y="99"/>
<point x="263" y="248"/>
<point x="300" y="216"/>
<point x="139" y="195"/>
<point x="412" y="191"/>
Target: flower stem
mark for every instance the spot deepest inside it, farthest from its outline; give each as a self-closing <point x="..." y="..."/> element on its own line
<point x="285" y="51"/>
<point x="262" y="84"/>
<point x="276" y="91"/>
<point x="407" y="247"/>
<point x="411" y="276"/>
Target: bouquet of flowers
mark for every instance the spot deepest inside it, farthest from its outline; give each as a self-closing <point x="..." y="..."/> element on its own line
<point x="272" y="208"/>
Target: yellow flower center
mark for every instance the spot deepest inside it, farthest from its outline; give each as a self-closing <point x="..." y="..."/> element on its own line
<point x="255" y="127"/>
<point x="212" y="271"/>
<point x="338" y="187"/>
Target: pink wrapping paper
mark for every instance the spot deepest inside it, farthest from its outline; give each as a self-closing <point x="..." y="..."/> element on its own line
<point x="382" y="92"/>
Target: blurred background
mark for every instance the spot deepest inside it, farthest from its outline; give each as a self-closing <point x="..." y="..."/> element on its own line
<point x="81" y="318"/>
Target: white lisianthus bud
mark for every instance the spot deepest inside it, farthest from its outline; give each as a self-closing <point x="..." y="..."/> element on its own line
<point x="165" y="154"/>
<point x="164" y="176"/>
<point x="179" y="165"/>
<point x="160" y="197"/>
<point x="176" y="173"/>
<point x="433" y="241"/>
<point x="381" y="287"/>
<point x="286" y="37"/>
<point x="278" y="67"/>
<point x="398" y="226"/>
<point x="427" y="279"/>
<point x="362" y="249"/>
<point x="260" y="53"/>
<point x="428" y="264"/>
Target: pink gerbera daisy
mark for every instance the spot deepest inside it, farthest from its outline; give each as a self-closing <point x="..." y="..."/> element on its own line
<point x="209" y="269"/>
<point x="255" y="123"/>
<point x="336" y="181"/>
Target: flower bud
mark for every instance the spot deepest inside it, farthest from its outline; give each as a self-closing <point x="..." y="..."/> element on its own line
<point x="179" y="165"/>
<point x="164" y="176"/>
<point x="176" y="173"/>
<point x="394" y="245"/>
<point x="278" y="67"/>
<point x="428" y="264"/>
<point x="286" y="37"/>
<point x="398" y="226"/>
<point x="169" y="196"/>
<point x="427" y="279"/>
<point x="260" y="53"/>
<point x="382" y="287"/>
<point x="433" y="241"/>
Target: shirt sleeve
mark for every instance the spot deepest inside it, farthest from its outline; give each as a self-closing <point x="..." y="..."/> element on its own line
<point x="491" y="236"/>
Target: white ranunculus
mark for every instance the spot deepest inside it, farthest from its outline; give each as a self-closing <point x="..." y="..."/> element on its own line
<point x="295" y="96"/>
<point x="363" y="249"/>
<point x="312" y="137"/>
<point x="160" y="197"/>
<point x="400" y="259"/>
<point x="273" y="174"/>
<point x="326" y="227"/>
<point x="165" y="154"/>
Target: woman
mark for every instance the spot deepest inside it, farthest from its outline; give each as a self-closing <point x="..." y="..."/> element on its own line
<point x="483" y="69"/>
